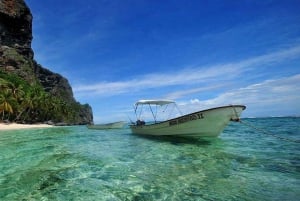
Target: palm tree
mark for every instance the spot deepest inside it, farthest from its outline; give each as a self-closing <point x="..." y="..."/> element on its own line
<point x="5" y="103"/>
<point x="56" y="106"/>
<point x="17" y="91"/>
<point x="3" y="85"/>
<point x="6" y="99"/>
<point x="25" y="105"/>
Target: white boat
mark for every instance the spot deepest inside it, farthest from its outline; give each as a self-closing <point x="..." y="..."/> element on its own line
<point x="205" y="123"/>
<point x="113" y="125"/>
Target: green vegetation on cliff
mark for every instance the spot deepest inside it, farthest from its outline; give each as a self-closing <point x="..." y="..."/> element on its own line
<point x="29" y="92"/>
<point x="29" y="103"/>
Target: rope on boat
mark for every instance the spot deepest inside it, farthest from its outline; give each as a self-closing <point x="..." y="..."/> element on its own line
<point x="237" y="119"/>
<point x="268" y="133"/>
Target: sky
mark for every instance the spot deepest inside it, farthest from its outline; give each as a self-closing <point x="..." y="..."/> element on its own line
<point x="199" y="53"/>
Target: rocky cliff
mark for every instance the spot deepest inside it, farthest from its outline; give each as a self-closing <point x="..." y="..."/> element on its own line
<point x="17" y="57"/>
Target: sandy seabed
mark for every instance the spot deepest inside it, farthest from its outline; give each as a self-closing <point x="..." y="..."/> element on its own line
<point x="15" y="126"/>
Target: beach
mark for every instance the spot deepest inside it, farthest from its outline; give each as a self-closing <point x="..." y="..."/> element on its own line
<point x="15" y="126"/>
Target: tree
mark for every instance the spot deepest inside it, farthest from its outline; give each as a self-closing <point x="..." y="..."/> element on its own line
<point x="5" y="103"/>
<point x="30" y="103"/>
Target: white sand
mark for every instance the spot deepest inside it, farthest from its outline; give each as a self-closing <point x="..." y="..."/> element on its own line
<point x="14" y="126"/>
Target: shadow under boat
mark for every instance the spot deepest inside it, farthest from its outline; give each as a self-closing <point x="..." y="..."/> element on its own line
<point x="177" y="140"/>
<point x="113" y="125"/>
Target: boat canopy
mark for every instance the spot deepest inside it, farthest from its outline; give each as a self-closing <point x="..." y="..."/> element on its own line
<point x="153" y="102"/>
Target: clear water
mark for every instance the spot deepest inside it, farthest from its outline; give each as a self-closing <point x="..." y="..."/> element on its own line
<point x="74" y="163"/>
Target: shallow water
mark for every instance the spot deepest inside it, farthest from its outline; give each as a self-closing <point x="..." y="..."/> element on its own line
<point x="74" y="163"/>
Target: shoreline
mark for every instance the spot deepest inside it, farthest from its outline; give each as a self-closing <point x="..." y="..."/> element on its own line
<point x="15" y="126"/>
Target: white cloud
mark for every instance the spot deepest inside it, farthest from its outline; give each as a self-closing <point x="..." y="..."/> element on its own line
<point x="178" y="94"/>
<point x="273" y="96"/>
<point x="190" y="76"/>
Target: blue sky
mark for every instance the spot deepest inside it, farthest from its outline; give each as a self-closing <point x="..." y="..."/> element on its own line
<point x="200" y="53"/>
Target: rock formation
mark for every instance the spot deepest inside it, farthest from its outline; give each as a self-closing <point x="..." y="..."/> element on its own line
<point x="17" y="56"/>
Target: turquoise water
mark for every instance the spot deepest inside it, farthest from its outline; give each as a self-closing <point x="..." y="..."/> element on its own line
<point x="74" y="163"/>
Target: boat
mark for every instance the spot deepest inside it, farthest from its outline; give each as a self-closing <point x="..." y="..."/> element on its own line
<point x="113" y="125"/>
<point x="205" y="123"/>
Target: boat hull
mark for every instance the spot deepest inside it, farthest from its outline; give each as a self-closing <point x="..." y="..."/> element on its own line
<point x="205" y="123"/>
<point x="114" y="125"/>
